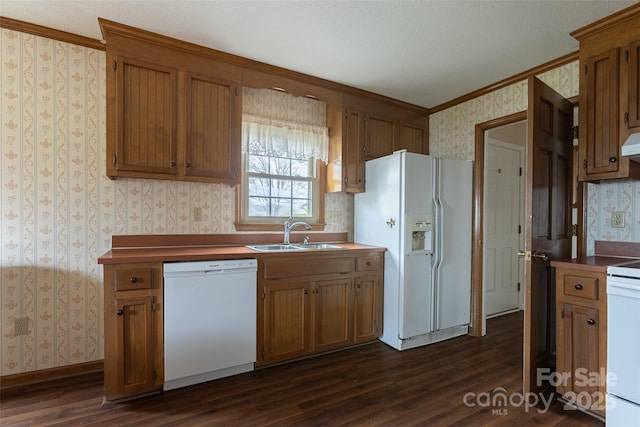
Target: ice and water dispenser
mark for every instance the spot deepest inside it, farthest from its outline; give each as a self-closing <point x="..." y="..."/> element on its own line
<point x="419" y="229"/>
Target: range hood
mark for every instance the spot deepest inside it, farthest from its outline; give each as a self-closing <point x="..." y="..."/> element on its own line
<point x="631" y="147"/>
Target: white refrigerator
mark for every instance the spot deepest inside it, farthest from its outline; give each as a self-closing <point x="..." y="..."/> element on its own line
<point x="420" y="208"/>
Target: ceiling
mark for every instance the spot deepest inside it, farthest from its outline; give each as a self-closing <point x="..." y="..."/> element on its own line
<point x="422" y="52"/>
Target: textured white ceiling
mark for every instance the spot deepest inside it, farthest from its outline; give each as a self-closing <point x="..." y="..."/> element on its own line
<point x="422" y="52"/>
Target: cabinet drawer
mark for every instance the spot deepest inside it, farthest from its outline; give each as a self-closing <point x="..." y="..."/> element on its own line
<point x="298" y="267"/>
<point x="579" y="286"/>
<point x="368" y="263"/>
<point x="135" y="278"/>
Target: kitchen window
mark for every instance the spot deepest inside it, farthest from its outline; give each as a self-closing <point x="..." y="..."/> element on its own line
<point x="283" y="173"/>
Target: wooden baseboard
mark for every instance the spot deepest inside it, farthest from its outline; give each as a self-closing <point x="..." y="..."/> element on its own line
<point x="31" y="377"/>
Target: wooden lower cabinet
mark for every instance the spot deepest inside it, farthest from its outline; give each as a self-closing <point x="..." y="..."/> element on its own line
<point x="581" y="343"/>
<point x="366" y="314"/>
<point x="133" y="331"/>
<point x="321" y="303"/>
<point x="332" y="313"/>
<point x="285" y="316"/>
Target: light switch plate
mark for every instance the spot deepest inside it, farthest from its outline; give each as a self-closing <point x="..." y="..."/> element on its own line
<point x="617" y="219"/>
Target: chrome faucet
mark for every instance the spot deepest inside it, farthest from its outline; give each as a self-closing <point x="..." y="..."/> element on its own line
<point x="288" y="227"/>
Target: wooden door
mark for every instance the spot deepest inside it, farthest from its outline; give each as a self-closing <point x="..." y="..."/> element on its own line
<point x="331" y="314"/>
<point x="378" y="136"/>
<point x="212" y="148"/>
<point x="285" y="321"/>
<point x="600" y="153"/>
<point x="502" y="226"/>
<point x="142" y="138"/>
<point x="365" y="309"/>
<point x="353" y="149"/>
<point x="413" y="138"/>
<point x="134" y="344"/>
<point x="548" y="214"/>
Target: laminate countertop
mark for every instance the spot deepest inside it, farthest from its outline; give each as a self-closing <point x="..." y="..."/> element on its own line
<point x="202" y="253"/>
<point x="597" y="263"/>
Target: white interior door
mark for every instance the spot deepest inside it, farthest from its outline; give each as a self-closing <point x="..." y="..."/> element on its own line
<point x="502" y="226"/>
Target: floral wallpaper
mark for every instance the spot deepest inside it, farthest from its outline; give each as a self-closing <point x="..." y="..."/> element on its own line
<point x="452" y="134"/>
<point x="58" y="210"/>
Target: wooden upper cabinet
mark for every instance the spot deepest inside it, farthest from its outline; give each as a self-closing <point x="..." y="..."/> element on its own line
<point x="353" y="151"/>
<point x="212" y="148"/>
<point x="379" y="136"/>
<point x="413" y="138"/>
<point x="609" y="95"/>
<point x="173" y="112"/>
<point x="360" y="134"/>
<point x="634" y="87"/>
<point x="143" y="134"/>
<point x="600" y="152"/>
<point x="345" y="169"/>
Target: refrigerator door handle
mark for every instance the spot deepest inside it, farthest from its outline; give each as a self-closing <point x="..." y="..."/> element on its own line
<point x="439" y="244"/>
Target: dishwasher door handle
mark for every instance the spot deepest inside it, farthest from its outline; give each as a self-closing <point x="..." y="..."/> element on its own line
<point x="214" y="271"/>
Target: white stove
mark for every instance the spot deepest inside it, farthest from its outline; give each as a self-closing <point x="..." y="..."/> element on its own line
<point x="623" y="344"/>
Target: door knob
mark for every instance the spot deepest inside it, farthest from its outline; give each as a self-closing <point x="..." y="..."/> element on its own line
<point x="540" y="256"/>
<point x="522" y="254"/>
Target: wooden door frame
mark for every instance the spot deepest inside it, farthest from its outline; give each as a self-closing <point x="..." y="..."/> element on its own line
<point x="477" y="258"/>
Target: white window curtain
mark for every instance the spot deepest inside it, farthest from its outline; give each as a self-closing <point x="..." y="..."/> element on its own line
<point x="263" y="135"/>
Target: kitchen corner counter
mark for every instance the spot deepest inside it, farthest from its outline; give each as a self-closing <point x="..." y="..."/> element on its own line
<point x="607" y="254"/>
<point x="596" y="263"/>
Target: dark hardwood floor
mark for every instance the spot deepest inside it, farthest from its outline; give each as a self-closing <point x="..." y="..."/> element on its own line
<point x="443" y="384"/>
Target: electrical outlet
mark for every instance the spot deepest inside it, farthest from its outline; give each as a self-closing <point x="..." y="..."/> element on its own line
<point x="21" y="326"/>
<point x="197" y="213"/>
<point x="617" y="219"/>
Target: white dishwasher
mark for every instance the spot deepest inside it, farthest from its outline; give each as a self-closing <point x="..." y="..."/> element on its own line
<point x="209" y="320"/>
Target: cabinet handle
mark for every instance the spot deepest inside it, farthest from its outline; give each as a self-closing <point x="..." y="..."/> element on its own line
<point x="612" y="160"/>
<point x="172" y="164"/>
<point x="626" y="118"/>
<point x="368" y="263"/>
<point x="133" y="279"/>
<point x="578" y="286"/>
<point x="119" y="312"/>
<point x="187" y="165"/>
<point x="345" y="180"/>
<point x="591" y="321"/>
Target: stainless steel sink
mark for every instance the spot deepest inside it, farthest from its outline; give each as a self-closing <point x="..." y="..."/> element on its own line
<point x="320" y="246"/>
<point x="292" y="247"/>
<point x="274" y="248"/>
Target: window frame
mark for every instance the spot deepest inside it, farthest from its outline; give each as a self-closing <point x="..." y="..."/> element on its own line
<point x="245" y="223"/>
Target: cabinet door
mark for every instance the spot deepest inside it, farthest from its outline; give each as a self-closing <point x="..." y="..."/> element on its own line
<point x="365" y="309"/>
<point x="353" y="149"/>
<point x="578" y="354"/>
<point x="213" y="131"/>
<point x="142" y="138"/>
<point x="285" y="320"/>
<point x="332" y="314"/>
<point x="378" y="136"/>
<point x="413" y="138"/>
<point x="634" y="87"/>
<point x="601" y="150"/>
<point x="134" y="332"/>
